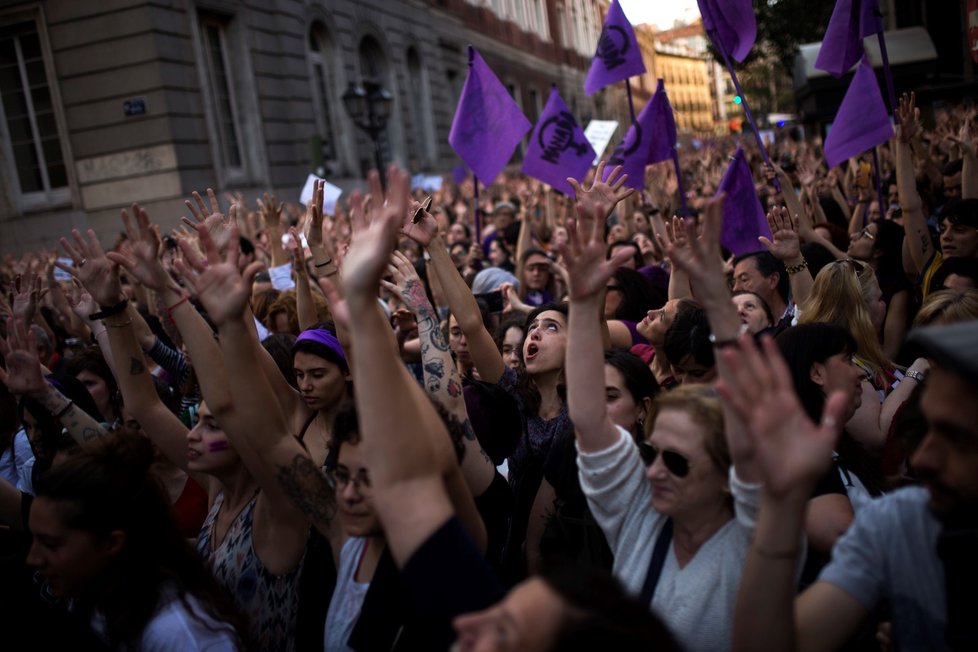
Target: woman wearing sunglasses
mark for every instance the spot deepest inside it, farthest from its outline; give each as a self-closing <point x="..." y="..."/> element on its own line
<point x="677" y="517"/>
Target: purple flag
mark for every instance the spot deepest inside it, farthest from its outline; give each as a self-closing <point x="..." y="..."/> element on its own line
<point x="460" y="174"/>
<point x="743" y="216"/>
<point x="488" y="124"/>
<point x="618" y="56"/>
<point x="731" y="25"/>
<point x="558" y="148"/>
<point x="842" y="44"/>
<point x="862" y="122"/>
<point x="650" y="139"/>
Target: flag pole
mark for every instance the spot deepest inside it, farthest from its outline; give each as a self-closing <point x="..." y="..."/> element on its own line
<point x="478" y="226"/>
<point x="887" y="74"/>
<point x="743" y="99"/>
<point x="679" y="180"/>
<point x="631" y="104"/>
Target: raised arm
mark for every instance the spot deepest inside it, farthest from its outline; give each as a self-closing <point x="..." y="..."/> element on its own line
<point x="256" y="425"/>
<point x="413" y="473"/>
<point x="917" y="240"/>
<point x="486" y="357"/>
<point x="786" y="247"/>
<point x="442" y="380"/>
<point x="969" y="170"/>
<point x="792" y="453"/>
<point x="588" y="272"/>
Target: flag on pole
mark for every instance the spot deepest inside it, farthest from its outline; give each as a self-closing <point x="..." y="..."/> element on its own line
<point x="842" y="44"/>
<point x="488" y="124"/>
<point x="743" y="216"/>
<point x="558" y="148"/>
<point x="731" y="25"/>
<point x="650" y="139"/>
<point x="618" y="56"/>
<point x="862" y="122"/>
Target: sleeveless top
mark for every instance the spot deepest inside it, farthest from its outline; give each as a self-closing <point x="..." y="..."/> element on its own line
<point x="269" y="601"/>
<point x="344" y="608"/>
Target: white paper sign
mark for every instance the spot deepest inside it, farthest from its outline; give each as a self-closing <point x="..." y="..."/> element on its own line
<point x="599" y="133"/>
<point x="330" y="194"/>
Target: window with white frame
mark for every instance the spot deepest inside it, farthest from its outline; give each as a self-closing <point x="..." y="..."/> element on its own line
<point x="322" y="92"/>
<point x="33" y="146"/>
<point x="221" y="87"/>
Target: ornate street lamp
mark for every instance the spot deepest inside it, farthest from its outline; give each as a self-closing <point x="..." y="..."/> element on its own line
<point x="369" y="106"/>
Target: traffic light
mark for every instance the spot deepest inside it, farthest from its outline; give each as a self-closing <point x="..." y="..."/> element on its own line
<point x="738" y="100"/>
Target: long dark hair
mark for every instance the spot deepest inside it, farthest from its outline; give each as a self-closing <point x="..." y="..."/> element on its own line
<point x="106" y="486"/>
<point x="804" y="345"/>
<point x="639" y="379"/>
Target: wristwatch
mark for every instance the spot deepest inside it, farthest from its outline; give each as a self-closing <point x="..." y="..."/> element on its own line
<point x="916" y="375"/>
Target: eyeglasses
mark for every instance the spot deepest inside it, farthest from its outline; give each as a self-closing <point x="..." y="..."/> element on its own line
<point x="340" y="478"/>
<point x="866" y="234"/>
<point x="675" y="463"/>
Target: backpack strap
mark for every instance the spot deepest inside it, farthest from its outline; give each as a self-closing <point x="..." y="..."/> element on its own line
<point x="658" y="561"/>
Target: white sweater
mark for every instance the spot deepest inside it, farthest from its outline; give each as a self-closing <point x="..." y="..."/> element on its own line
<point x="696" y="602"/>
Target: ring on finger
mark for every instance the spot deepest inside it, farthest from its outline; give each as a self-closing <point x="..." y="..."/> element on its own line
<point x="83" y="261"/>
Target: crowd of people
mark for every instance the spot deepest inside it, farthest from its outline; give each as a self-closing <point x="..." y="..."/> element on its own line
<point x="536" y="422"/>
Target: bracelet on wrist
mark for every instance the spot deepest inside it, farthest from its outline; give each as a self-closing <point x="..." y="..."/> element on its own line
<point x="170" y="309"/>
<point x="919" y="376"/>
<point x="794" y="269"/>
<point x="110" y="311"/>
<point x="63" y="411"/>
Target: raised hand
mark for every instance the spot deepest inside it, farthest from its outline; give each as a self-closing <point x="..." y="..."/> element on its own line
<point x="784" y="230"/>
<point x="407" y="284"/>
<point x="315" y="211"/>
<point x="219" y="285"/>
<point x="607" y="193"/>
<point x="271" y="213"/>
<point x="696" y="254"/>
<point x="81" y="302"/>
<point x="144" y="264"/>
<point x="218" y="225"/>
<point x="24" y="296"/>
<point x="908" y="117"/>
<point x="23" y="374"/>
<point x="368" y="255"/>
<point x="588" y="270"/>
<point x="422" y="231"/>
<point x="790" y="452"/>
<point x="98" y="274"/>
<point x="964" y="139"/>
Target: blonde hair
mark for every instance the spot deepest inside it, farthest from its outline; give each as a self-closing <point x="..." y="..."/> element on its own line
<point x="702" y="404"/>
<point x="841" y="295"/>
<point x="948" y="307"/>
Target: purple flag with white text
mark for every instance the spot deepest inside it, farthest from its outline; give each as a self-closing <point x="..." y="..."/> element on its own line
<point x="558" y="148"/>
<point x="842" y="44"/>
<point x="862" y="122"/>
<point x="488" y="124"/>
<point x="618" y="56"/>
<point x="730" y="24"/>
<point x="650" y="139"/>
<point x="743" y="216"/>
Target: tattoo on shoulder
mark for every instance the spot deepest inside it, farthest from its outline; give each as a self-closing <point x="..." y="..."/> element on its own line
<point x="136" y="366"/>
<point x="305" y="485"/>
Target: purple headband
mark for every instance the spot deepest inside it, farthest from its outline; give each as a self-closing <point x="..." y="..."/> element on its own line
<point x="327" y="339"/>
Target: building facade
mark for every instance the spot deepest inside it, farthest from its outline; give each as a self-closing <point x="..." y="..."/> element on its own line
<point x="109" y="102"/>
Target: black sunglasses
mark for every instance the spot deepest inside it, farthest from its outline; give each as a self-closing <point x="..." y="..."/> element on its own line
<point x="675" y="463"/>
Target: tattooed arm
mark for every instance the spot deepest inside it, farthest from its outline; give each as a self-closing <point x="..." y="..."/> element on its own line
<point x="441" y="378"/>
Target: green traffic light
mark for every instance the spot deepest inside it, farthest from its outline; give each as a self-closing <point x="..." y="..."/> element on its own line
<point x="737" y="99"/>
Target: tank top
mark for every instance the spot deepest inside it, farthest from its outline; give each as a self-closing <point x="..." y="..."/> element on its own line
<point x="344" y="608"/>
<point x="269" y="601"/>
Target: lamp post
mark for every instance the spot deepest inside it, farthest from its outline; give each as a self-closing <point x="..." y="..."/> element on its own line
<point x="369" y="106"/>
